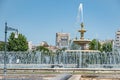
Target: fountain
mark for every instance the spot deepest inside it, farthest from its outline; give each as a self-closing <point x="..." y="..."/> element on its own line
<point x="83" y="58"/>
<point x="68" y="58"/>
<point x="82" y="42"/>
<point x="84" y="51"/>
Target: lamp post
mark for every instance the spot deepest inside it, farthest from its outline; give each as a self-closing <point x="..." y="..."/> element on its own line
<point x="5" y="57"/>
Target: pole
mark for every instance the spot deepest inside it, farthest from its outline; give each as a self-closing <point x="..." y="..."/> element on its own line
<point x="5" y="50"/>
<point x="5" y="68"/>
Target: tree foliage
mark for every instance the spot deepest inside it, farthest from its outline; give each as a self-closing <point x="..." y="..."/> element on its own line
<point x="107" y="47"/>
<point x="74" y="46"/>
<point x="59" y="51"/>
<point x="2" y="45"/>
<point x="17" y="44"/>
<point x="94" y="45"/>
<point x="43" y="50"/>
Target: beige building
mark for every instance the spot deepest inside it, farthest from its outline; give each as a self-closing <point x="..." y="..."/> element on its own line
<point x="50" y="47"/>
<point x="62" y="39"/>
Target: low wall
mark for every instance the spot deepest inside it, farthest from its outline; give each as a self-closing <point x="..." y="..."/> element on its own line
<point x="38" y="65"/>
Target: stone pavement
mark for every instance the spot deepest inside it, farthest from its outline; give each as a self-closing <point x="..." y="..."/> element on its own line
<point x="75" y="77"/>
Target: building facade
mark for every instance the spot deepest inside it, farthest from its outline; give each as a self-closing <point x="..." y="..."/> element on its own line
<point x="31" y="47"/>
<point x="117" y="38"/>
<point x="62" y="39"/>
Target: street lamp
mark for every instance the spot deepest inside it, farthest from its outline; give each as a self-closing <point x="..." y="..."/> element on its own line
<point x="5" y="57"/>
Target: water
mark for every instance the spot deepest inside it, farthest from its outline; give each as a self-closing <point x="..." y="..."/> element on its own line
<point x="66" y="59"/>
<point x="80" y="14"/>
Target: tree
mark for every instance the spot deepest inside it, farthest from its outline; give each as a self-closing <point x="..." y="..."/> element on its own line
<point x="94" y="45"/>
<point x="2" y="46"/>
<point x="74" y="46"/>
<point x="43" y="50"/>
<point x="107" y="47"/>
<point x="17" y="44"/>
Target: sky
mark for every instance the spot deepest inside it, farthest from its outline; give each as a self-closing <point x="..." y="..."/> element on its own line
<point x="40" y="20"/>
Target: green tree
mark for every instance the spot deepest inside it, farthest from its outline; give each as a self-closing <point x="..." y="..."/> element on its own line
<point x="94" y="45"/>
<point x="107" y="47"/>
<point x="43" y="50"/>
<point x="17" y="44"/>
<point x="2" y="46"/>
<point x="74" y="46"/>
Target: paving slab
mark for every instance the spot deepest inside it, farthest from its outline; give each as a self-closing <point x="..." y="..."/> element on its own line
<point x="75" y="77"/>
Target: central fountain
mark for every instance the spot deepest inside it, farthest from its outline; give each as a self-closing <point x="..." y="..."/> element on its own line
<point x="82" y="42"/>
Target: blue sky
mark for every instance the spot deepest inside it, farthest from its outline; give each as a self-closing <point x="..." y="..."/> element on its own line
<point x="39" y="20"/>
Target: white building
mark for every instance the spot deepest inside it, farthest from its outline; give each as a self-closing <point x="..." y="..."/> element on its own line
<point x="30" y="45"/>
<point x="117" y="38"/>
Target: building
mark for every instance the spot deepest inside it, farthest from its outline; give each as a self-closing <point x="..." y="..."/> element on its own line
<point x="44" y="43"/>
<point x="62" y="39"/>
<point x="31" y="47"/>
<point x="106" y="41"/>
<point x="49" y="47"/>
<point x="52" y="48"/>
<point x="117" y="38"/>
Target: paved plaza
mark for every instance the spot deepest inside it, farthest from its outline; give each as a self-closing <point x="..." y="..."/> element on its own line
<point x="62" y="74"/>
